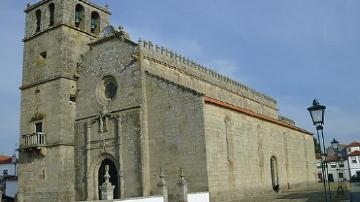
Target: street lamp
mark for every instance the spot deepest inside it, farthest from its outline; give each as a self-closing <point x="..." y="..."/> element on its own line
<point x="335" y="147"/>
<point x="317" y="113"/>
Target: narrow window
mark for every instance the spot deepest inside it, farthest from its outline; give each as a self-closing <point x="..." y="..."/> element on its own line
<point x="95" y="22"/>
<point x="52" y="14"/>
<point x="43" y="55"/>
<point x="38" y="127"/>
<point x="38" y="20"/>
<point x="72" y="98"/>
<point x="79" y="16"/>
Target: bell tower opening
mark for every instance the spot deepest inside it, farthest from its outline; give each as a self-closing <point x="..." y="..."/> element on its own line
<point x="79" y="16"/>
<point x="38" y="20"/>
<point x="52" y="14"/>
<point x="113" y="176"/>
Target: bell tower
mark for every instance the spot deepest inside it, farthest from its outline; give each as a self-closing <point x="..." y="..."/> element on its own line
<point x="57" y="33"/>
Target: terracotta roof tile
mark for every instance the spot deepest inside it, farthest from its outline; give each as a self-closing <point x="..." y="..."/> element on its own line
<point x="354" y="144"/>
<point x="355" y="153"/>
<point x="4" y="159"/>
<point x="317" y="156"/>
<point x="333" y="158"/>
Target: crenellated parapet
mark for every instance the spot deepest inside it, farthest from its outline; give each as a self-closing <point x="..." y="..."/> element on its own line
<point x="168" y="57"/>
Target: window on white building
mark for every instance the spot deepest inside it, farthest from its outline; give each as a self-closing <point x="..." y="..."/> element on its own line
<point x="341" y="165"/>
<point x="353" y="160"/>
<point x="333" y="165"/>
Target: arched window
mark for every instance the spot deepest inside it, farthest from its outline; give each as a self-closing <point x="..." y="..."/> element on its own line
<point x="95" y="22"/>
<point x="52" y="14"/>
<point x="79" y="16"/>
<point x="38" y="20"/>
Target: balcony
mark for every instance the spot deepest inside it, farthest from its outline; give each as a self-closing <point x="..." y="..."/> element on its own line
<point x="33" y="141"/>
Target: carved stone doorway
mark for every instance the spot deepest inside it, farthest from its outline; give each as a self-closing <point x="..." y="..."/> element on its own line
<point x="113" y="176"/>
<point x="274" y="174"/>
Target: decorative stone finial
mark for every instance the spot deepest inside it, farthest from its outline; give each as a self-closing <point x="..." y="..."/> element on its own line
<point x="162" y="175"/>
<point x="121" y="28"/>
<point x="107" y="189"/>
<point x="182" y="173"/>
<point x="107" y="175"/>
<point x="163" y="185"/>
<point x="182" y="187"/>
<point x="28" y="4"/>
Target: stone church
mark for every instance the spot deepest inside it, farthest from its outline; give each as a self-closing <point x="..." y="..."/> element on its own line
<point x="91" y="96"/>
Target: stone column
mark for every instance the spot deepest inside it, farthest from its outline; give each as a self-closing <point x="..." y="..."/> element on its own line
<point x="182" y="187"/>
<point x="88" y="160"/>
<point x="106" y="189"/>
<point x="163" y="185"/>
<point x="120" y="157"/>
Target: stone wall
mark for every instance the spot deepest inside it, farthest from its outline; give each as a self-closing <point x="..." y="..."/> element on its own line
<point x="121" y="140"/>
<point x="176" y="134"/>
<point x="239" y="148"/>
<point x="47" y="178"/>
<point x="183" y="71"/>
<point x="51" y="58"/>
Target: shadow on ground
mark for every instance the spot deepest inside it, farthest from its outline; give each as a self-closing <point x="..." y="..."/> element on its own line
<point x="316" y="196"/>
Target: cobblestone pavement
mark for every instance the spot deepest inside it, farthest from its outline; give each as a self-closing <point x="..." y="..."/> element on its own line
<point x="313" y="193"/>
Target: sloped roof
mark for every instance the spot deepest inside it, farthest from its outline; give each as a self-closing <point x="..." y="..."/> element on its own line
<point x="354" y="153"/>
<point x="5" y="159"/>
<point x="317" y="156"/>
<point x="354" y="144"/>
<point x="333" y="158"/>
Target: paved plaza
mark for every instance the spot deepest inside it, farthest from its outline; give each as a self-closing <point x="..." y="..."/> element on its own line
<point x="313" y="193"/>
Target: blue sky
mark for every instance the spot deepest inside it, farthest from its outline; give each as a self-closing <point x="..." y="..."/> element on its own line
<point x="293" y="51"/>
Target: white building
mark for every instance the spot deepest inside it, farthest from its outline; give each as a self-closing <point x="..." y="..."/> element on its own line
<point x="337" y="169"/>
<point x="353" y="158"/>
<point x="8" y="165"/>
<point x="344" y="165"/>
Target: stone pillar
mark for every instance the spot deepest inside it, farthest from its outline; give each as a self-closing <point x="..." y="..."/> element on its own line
<point x="87" y="159"/>
<point x="106" y="189"/>
<point x="163" y="185"/>
<point x="119" y="154"/>
<point x="182" y="187"/>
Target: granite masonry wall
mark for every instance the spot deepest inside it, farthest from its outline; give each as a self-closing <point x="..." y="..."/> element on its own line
<point x="176" y="134"/>
<point x="239" y="148"/>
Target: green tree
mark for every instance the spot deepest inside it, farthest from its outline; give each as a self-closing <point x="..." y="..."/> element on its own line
<point x="317" y="146"/>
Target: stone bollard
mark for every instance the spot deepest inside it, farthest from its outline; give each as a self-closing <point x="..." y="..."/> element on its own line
<point x="182" y="187"/>
<point x="107" y="190"/>
<point x="163" y="185"/>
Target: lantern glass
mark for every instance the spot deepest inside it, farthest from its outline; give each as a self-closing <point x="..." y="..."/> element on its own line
<point x="335" y="144"/>
<point x="317" y="112"/>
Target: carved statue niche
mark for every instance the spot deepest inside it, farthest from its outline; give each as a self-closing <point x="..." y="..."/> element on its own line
<point x="103" y="117"/>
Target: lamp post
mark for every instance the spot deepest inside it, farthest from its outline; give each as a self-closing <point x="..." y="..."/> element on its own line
<point x="317" y="113"/>
<point x="335" y="147"/>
